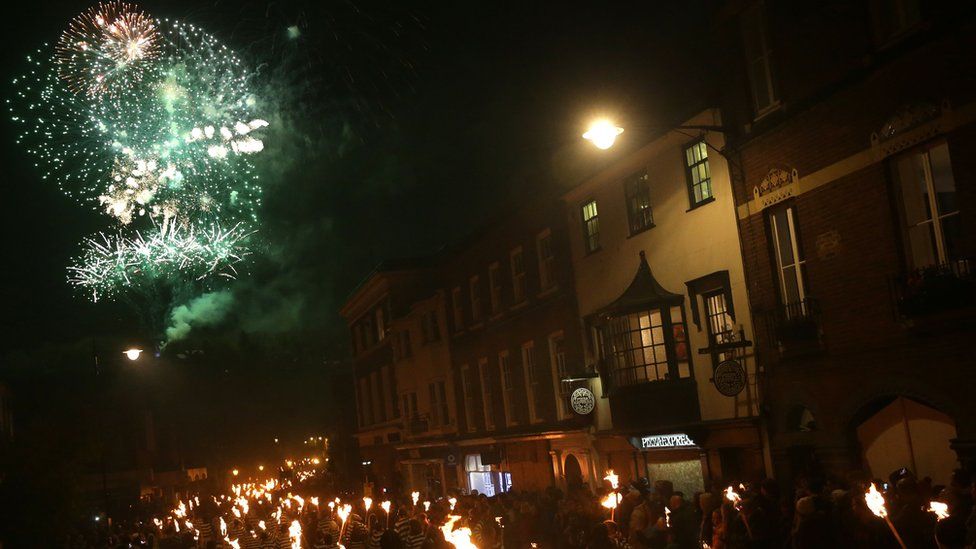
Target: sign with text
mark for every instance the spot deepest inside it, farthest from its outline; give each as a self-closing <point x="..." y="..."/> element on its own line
<point x="674" y="440"/>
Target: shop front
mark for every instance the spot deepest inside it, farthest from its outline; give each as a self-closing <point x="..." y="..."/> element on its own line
<point x="431" y="469"/>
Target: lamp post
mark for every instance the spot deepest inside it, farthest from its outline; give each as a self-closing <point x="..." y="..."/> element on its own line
<point x="603" y="133"/>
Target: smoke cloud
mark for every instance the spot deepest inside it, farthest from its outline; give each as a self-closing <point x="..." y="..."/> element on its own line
<point x="206" y="310"/>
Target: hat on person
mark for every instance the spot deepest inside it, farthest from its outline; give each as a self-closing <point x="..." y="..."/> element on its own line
<point x="806" y="506"/>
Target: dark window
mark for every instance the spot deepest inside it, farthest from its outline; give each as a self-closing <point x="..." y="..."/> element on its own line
<point x="638" y="193"/>
<point x="697" y="173"/>
<point x="759" y="63"/>
<point x="894" y="19"/>
<point x="430" y="331"/>
<point x="518" y="276"/>
<point x="930" y="209"/>
<point x="405" y="348"/>
<point x="591" y="227"/>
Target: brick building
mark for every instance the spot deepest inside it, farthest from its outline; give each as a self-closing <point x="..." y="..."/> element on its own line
<point x="515" y="336"/>
<point x="460" y="362"/>
<point x="856" y="198"/>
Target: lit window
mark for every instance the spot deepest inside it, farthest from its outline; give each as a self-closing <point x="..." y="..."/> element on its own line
<point x="697" y="173"/>
<point x="591" y="227"/>
<point x="638" y="193"/>
<point x="646" y="346"/>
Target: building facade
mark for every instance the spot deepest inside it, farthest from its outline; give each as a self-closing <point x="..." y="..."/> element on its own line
<point x="515" y="338"/>
<point x="855" y="187"/>
<point x="661" y="290"/>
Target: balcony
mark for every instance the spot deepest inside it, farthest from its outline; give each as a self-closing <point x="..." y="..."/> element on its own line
<point x="796" y="327"/>
<point x="945" y="290"/>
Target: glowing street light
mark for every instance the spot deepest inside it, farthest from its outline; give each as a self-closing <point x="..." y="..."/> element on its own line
<point x="132" y="354"/>
<point x="235" y="472"/>
<point x="602" y="133"/>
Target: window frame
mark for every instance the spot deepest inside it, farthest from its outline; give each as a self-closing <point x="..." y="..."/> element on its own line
<point x="765" y="57"/>
<point x="547" y="264"/>
<point x="475" y="296"/>
<point x="530" y="370"/>
<point x="799" y="259"/>
<point x="506" y="372"/>
<point x="637" y="186"/>
<point x="487" y="398"/>
<point x="591" y="242"/>
<point x="495" y="287"/>
<point x="520" y="290"/>
<point x="457" y="309"/>
<point x="467" y="389"/>
<point x="618" y="352"/>
<point x="690" y="169"/>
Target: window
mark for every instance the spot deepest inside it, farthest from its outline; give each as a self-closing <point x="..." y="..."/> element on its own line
<point x="718" y="320"/>
<point x="406" y="351"/>
<point x="697" y="173"/>
<point x="893" y="19"/>
<point x="647" y="346"/>
<point x="429" y="328"/>
<point x="543" y="245"/>
<point x="508" y="387"/>
<point x="557" y="358"/>
<point x="759" y="65"/>
<point x="591" y="227"/>
<point x="380" y="325"/>
<point x="445" y="412"/>
<point x="930" y="210"/>
<point x="467" y="387"/>
<point x="410" y="405"/>
<point x="790" y="262"/>
<point x="434" y="404"/>
<point x="474" y="287"/>
<point x="532" y="378"/>
<point x="638" y="193"/>
<point x="458" y="309"/>
<point x="366" y="400"/>
<point x="518" y="275"/>
<point x="486" y="393"/>
<point x="495" y="283"/>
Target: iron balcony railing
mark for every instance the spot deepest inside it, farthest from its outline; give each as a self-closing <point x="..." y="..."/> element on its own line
<point x="796" y="326"/>
<point x="934" y="289"/>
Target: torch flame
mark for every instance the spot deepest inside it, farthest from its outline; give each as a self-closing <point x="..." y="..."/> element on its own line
<point x="386" y="507"/>
<point x="734" y="497"/>
<point x="460" y="538"/>
<point x="453" y="502"/>
<point x="295" y="533"/>
<point x="940" y="509"/>
<point x="613" y="478"/>
<point x="415" y="496"/>
<point x="875" y="501"/>
<point x="367" y="502"/>
<point x="611" y="501"/>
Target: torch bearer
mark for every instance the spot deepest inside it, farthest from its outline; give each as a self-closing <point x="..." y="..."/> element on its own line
<point x="876" y="503"/>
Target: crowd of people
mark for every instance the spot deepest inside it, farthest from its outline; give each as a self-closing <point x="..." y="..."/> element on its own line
<point x="818" y="514"/>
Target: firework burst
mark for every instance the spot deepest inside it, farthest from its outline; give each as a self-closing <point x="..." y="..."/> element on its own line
<point x="106" y="47"/>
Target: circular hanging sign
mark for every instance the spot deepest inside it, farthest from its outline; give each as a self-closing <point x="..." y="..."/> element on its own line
<point x="582" y="401"/>
<point x="729" y="378"/>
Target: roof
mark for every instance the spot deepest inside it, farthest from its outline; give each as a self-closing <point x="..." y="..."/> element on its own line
<point x="644" y="292"/>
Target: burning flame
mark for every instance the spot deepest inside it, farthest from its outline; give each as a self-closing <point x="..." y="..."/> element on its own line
<point x="415" y="496"/>
<point x="940" y="509"/>
<point x="611" y="501"/>
<point x="453" y="502"/>
<point x="875" y="501"/>
<point x="367" y="502"/>
<point x="667" y="517"/>
<point x="613" y="478"/>
<point x="460" y="538"/>
<point x="295" y="533"/>
<point x="386" y="507"/>
<point x="426" y="506"/>
<point x="734" y="497"/>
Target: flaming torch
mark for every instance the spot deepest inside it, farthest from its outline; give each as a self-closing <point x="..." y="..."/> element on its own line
<point x="453" y="502"/>
<point x="734" y="497"/>
<point x="415" y="496"/>
<point x="295" y="534"/>
<point x="610" y="502"/>
<point x="460" y="538"/>
<point x="367" y="503"/>
<point x="386" y="508"/>
<point x="426" y="506"/>
<point x="940" y="509"/>
<point x="876" y="503"/>
<point x="613" y="479"/>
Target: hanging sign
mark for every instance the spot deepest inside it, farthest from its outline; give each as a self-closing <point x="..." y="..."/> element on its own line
<point x="582" y="401"/>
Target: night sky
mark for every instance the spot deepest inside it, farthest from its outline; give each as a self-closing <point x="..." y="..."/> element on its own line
<point x="412" y="123"/>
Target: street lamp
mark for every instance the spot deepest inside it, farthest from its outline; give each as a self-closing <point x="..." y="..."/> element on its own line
<point x="133" y="354"/>
<point x="602" y="133"/>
